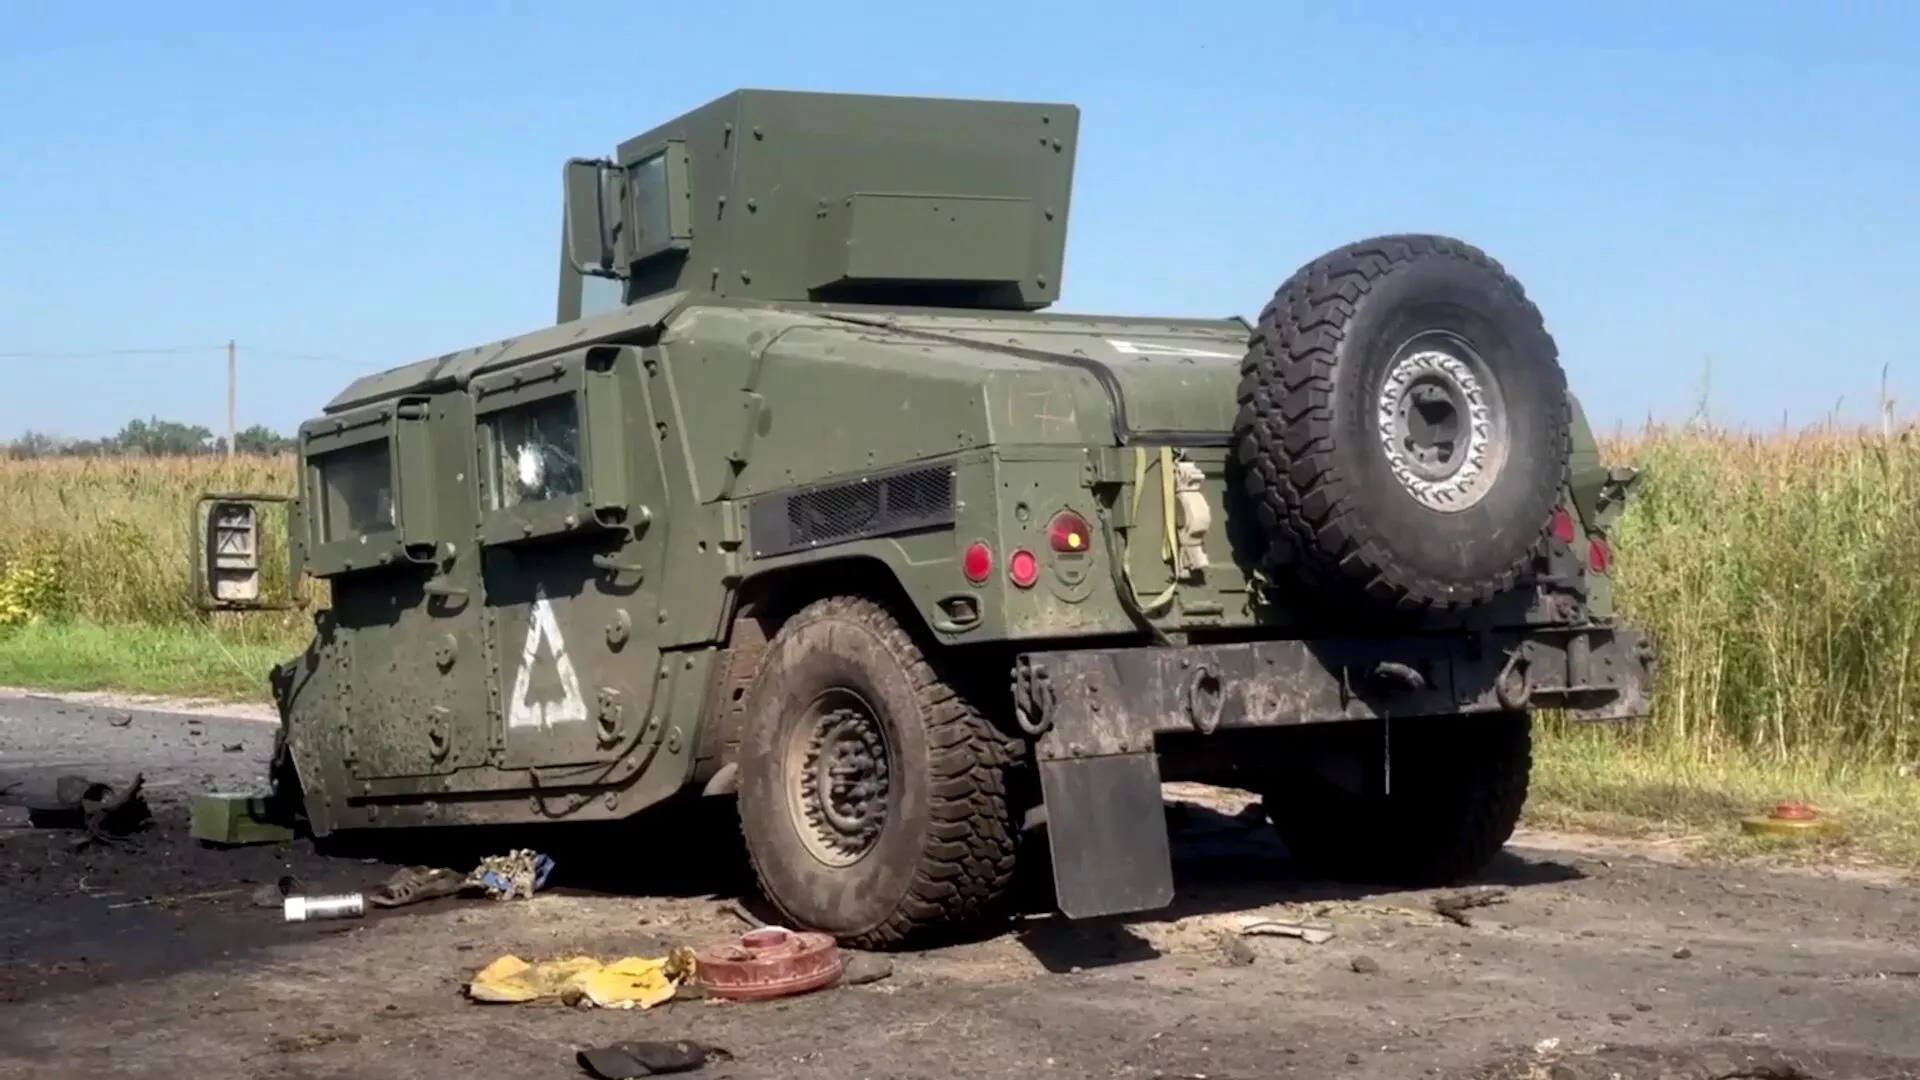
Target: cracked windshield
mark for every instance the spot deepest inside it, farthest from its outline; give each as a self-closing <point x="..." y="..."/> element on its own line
<point x="537" y="451"/>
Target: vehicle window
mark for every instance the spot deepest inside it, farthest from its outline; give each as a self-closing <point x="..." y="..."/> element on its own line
<point x="598" y="294"/>
<point x="650" y="202"/>
<point x="356" y="491"/>
<point x="536" y="452"/>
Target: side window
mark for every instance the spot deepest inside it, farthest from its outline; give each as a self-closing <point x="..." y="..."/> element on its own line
<point x="651" y="212"/>
<point x="598" y="294"/>
<point x="356" y="491"/>
<point x="535" y="452"/>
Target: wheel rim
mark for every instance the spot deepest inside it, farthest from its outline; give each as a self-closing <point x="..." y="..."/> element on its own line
<point x="1442" y="422"/>
<point x="839" y="769"/>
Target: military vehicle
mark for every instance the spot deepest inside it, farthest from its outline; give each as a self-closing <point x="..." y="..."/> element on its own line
<point x="805" y="499"/>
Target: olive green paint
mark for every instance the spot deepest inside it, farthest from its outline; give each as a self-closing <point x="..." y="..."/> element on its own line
<point x="776" y="195"/>
<point x="833" y="286"/>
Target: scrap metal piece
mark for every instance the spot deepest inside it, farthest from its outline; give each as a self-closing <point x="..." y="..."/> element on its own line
<point x="513" y="875"/>
<point x="1255" y="926"/>
<point x="1456" y="905"/>
<point x="93" y="806"/>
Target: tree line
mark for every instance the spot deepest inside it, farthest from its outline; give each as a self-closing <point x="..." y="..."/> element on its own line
<point x="152" y="437"/>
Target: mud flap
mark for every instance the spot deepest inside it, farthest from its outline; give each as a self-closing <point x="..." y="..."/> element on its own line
<point x="1100" y="779"/>
<point x="1107" y="827"/>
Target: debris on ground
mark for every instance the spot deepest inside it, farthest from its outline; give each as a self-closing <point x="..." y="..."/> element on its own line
<point x="1237" y="953"/>
<point x="1256" y="926"/>
<point x="416" y="884"/>
<point x="92" y="806"/>
<point x="1456" y="905"/>
<point x="274" y="894"/>
<point x="738" y="911"/>
<point x="1365" y="965"/>
<point x="863" y="968"/>
<point x="632" y="982"/>
<point x="768" y="963"/>
<point x="517" y="874"/>
<point x="625" y="1060"/>
<point x="513" y="875"/>
<point x="314" y="908"/>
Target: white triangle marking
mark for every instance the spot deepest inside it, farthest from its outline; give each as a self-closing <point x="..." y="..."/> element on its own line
<point x="571" y="708"/>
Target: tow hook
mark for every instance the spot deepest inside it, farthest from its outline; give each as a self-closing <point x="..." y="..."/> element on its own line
<point x="1033" y="697"/>
<point x="1205" y="699"/>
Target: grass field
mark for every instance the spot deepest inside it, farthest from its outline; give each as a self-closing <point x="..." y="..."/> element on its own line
<point x="1773" y="569"/>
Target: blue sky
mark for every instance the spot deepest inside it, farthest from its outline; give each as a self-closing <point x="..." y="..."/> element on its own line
<point x="341" y="187"/>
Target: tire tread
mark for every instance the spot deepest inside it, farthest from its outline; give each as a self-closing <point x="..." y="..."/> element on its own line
<point x="967" y="862"/>
<point x="1285" y="431"/>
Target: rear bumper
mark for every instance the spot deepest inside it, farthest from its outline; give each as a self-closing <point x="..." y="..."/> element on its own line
<point x="1080" y="702"/>
<point x="1095" y="715"/>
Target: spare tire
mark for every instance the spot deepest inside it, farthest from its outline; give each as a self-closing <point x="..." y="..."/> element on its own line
<point x="1403" y="424"/>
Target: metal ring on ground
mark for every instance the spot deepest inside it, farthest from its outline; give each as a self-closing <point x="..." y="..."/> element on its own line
<point x="767" y="963"/>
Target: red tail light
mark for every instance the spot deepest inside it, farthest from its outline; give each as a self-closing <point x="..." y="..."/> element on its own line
<point x="1599" y="556"/>
<point x="1022" y="568"/>
<point x="977" y="562"/>
<point x="1069" y="534"/>
<point x="1562" y="525"/>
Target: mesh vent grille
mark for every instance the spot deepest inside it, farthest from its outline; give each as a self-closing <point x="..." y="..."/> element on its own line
<point x="885" y="504"/>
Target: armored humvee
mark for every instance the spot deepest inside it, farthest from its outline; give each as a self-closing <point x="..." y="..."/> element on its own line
<point x="804" y="499"/>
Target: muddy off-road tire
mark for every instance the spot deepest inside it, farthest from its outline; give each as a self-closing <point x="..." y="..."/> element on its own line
<point x="872" y="795"/>
<point x="1403" y="424"/>
<point x="1458" y="787"/>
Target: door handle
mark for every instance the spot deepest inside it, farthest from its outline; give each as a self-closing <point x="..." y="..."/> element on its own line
<point x="608" y="562"/>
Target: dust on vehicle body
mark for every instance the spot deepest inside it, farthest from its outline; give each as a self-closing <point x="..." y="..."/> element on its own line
<point x="806" y="500"/>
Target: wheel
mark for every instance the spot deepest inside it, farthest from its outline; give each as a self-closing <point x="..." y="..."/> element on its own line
<point x="1459" y="784"/>
<point x="1403" y="424"/>
<point x="872" y="793"/>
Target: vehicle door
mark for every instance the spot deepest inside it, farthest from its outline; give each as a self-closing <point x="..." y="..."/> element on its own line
<point x="382" y="529"/>
<point x="571" y="529"/>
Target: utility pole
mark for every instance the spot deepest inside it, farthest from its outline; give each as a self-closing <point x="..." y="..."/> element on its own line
<point x="233" y="412"/>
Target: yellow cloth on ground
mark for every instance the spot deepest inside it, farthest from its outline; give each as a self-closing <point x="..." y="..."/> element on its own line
<point x="632" y="982"/>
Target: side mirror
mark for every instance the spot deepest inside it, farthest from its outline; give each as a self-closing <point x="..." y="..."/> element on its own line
<point x="233" y="553"/>
<point x="227" y="573"/>
<point x="592" y="225"/>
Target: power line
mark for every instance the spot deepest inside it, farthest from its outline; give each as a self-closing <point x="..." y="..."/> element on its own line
<point x="230" y="349"/>
<point x="320" y="358"/>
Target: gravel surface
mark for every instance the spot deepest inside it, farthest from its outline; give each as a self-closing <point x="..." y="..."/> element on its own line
<point x="147" y="958"/>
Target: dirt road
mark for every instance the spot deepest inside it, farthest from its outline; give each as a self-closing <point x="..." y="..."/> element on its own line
<point x="147" y="959"/>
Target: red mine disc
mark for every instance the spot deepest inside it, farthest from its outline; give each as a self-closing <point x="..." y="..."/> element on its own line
<point x="768" y="963"/>
<point x="1792" y="811"/>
